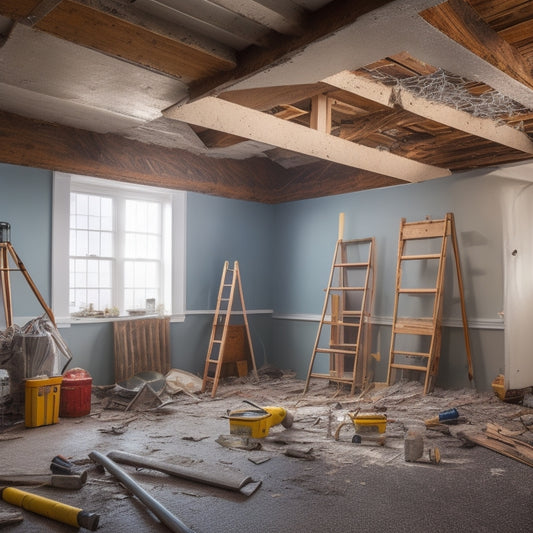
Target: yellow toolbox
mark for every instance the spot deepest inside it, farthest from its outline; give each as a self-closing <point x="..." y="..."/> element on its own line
<point x="370" y="422"/>
<point x="256" y="423"/>
<point x="41" y="403"/>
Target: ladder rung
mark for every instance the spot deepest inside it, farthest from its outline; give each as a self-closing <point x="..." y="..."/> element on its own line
<point x="411" y="354"/>
<point x="332" y="378"/>
<point x="409" y="367"/>
<point x="352" y="324"/>
<point x="414" y="326"/>
<point x="417" y="291"/>
<point x="334" y="350"/>
<point x="419" y="256"/>
<point x="351" y="313"/>
<point x="350" y="265"/>
<point x="346" y="288"/>
<point x="343" y="345"/>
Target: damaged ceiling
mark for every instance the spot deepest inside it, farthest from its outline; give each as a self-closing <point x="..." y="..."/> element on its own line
<point x="266" y="100"/>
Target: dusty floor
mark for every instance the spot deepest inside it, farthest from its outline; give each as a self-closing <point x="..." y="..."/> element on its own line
<point x="335" y="485"/>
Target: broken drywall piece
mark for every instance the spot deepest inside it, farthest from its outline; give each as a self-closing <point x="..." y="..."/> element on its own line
<point x="300" y="453"/>
<point x="240" y="442"/>
<point x="182" y="381"/>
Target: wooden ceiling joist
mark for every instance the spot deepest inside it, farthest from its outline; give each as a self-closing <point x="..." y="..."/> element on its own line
<point x="280" y="15"/>
<point x="217" y="114"/>
<point x="41" y="10"/>
<point x="321" y="113"/>
<point x="461" y="22"/>
<point x="324" y="21"/>
<point x="459" y="120"/>
<point x="155" y="46"/>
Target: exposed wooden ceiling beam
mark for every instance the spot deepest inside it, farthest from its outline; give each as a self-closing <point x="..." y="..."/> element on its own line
<point x="324" y="21"/>
<point x="41" y="10"/>
<point x="39" y="144"/>
<point x="321" y="113"/>
<point x="115" y="30"/>
<point x="288" y="112"/>
<point x="365" y="126"/>
<point x="221" y="115"/>
<point x="282" y="16"/>
<point x="459" y="120"/>
<point x="17" y="9"/>
<point x="460" y="21"/>
<point x="262" y="99"/>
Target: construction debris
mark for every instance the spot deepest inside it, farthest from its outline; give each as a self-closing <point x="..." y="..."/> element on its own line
<point x="226" y="479"/>
<point x="498" y="439"/>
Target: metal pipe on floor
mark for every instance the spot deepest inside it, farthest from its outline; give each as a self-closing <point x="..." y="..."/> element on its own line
<point x="167" y="518"/>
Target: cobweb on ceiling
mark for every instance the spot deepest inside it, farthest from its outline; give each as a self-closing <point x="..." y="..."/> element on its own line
<point x="452" y="90"/>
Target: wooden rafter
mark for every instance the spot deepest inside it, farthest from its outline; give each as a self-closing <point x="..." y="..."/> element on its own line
<point x="42" y="145"/>
<point x="280" y="15"/>
<point x="263" y="99"/>
<point x="321" y="113"/>
<point x="225" y="116"/>
<point x="460" y="120"/>
<point x="41" y="10"/>
<point x="461" y="22"/>
<point x="324" y="21"/>
<point x="130" y="39"/>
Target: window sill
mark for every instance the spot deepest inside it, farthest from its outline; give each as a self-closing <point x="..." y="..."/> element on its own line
<point x="66" y="322"/>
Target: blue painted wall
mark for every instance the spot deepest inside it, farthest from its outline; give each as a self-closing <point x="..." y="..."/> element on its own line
<point x="285" y="252"/>
<point x="306" y="232"/>
<point x="26" y="203"/>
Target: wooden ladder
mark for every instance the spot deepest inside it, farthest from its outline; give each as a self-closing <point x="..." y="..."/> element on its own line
<point x="6" y="250"/>
<point x="416" y="342"/>
<point x="349" y="303"/>
<point x="229" y="282"/>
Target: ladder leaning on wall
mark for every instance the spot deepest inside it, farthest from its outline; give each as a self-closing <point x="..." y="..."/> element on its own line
<point x="345" y="315"/>
<point x="416" y="340"/>
<point x="229" y="283"/>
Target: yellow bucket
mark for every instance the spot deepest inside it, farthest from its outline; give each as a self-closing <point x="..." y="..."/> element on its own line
<point x="369" y="421"/>
<point x="255" y="423"/>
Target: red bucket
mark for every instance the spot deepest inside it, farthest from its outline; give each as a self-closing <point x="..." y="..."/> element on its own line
<point x="75" y="397"/>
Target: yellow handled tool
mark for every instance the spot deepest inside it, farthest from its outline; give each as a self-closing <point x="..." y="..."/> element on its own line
<point x="51" y="508"/>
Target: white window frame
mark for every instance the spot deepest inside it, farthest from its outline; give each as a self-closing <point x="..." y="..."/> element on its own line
<point x="60" y="241"/>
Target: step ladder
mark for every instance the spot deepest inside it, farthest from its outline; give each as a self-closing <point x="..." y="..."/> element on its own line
<point x="344" y="331"/>
<point x="417" y="317"/>
<point x="229" y="283"/>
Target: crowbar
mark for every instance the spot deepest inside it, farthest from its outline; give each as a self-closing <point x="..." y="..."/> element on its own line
<point x="167" y="518"/>
<point x="227" y="480"/>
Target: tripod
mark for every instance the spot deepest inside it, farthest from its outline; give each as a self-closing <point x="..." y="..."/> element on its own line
<point x="6" y="250"/>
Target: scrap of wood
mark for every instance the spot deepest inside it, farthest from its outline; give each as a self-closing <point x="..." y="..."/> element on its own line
<point x="9" y="518"/>
<point x="498" y="433"/>
<point x="10" y="437"/>
<point x="508" y="446"/>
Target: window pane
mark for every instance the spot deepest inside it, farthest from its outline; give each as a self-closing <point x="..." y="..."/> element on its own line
<point x="94" y="221"/>
<point x="93" y="247"/>
<point x="82" y="204"/>
<point x="153" y="248"/>
<point x="81" y="221"/>
<point x="106" y="244"/>
<point x="82" y="243"/>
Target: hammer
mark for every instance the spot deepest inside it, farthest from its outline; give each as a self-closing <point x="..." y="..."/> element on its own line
<point x="72" y="481"/>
